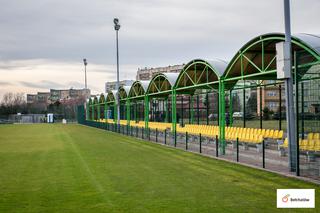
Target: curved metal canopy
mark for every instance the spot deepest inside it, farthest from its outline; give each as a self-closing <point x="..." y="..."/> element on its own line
<point x="101" y="98"/>
<point x="256" y="60"/>
<point x="313" y="41"/>
<point x="89" y="101"/>
<point x="111" y="96"/>
<point x="200" y="74"/>
<point x="162" y="83"/>
<point x="124" y="91"/>
<point x="138" y="89"/>
<point x="96" y="100"/>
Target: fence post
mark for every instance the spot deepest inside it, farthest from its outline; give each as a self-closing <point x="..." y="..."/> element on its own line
<point x="136" y="131"/>
<point x="142" y="133"/>
<point x="165" y="136"/>
<point x="217" y="146"/>
<point x="237" y="149"/>
<point x="157" y="135"/>
<point x="175" y="138"/>
<point x="186" y="140"/>
<point x="263" y="155"/>
<point x="149" y="134"/>
<point x="200" y="143"/>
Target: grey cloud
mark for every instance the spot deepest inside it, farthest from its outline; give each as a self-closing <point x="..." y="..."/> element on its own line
<point x="152" y="33"/>
<point x="42" y="84"/>
<point x="4" y="83"/>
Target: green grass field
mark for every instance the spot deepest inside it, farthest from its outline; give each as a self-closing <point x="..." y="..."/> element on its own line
<point x="73" y="168"/>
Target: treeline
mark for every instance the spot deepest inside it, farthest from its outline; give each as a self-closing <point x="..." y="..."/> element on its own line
<point x="14" y="103"/>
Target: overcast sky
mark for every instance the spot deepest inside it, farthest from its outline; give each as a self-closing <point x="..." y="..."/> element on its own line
<point x="43" y="42"/>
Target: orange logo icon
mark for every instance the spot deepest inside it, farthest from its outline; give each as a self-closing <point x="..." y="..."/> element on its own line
<point x="285" y="198"/>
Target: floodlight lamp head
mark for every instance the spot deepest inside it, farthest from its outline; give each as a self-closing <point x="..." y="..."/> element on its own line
<point x="85" y="61"/>
<point x="116" y="21"/>
<point x="116" y="24"/>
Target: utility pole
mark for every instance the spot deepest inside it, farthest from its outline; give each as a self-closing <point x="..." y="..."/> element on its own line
<point x="85" y="73"/>
<point x="117" y="28"/>
<point x="291" y="124"/>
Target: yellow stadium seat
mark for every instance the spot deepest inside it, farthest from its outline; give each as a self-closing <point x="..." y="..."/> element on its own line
<point x="304" y="144"/>
<point x="280" y="135"/>
<point x="310" y="136"/>
<point x="317" y="145"/>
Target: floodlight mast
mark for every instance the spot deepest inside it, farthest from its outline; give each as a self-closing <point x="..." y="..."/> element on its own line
<point x="291" y="127"/>
<point x="85" y="73"/>
<point x="117" y="28"/>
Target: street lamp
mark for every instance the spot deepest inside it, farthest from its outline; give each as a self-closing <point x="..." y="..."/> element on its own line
<point x="85" y="73"/>
<point x="117" y="28"/>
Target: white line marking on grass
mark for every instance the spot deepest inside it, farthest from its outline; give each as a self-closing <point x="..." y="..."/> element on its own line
<point x="92" y="178"/>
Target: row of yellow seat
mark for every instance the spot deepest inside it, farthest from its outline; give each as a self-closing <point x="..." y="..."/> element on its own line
<point x="249" y="135"/>
<point x="232" y="133"/>
<point x="266" y="133"/>
<point x="159" y="126"/>
<point x="152" y="125"/>
<point x="197" y="129"/>
<point x="244" y="137"/>
<point x="309" y="144"/>
<point x="312" y="136"/>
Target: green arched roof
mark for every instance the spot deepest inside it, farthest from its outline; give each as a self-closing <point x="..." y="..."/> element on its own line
<point x="162" y="83"/>
<point x="95" y="100"/>
<point x="256" y="60"/>
<point x="89" y="101"/>
<point x="101" y="98"/>
<point x="111" y="96"/>
<point x="138" y="89"/>
<point x="124" y="91"/>
<point x="200" y="74"/>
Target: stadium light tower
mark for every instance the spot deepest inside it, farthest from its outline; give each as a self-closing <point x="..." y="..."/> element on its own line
<point x="85" y="72"/>
<point x="117" y="28"/>
<point x="291" y="127"/>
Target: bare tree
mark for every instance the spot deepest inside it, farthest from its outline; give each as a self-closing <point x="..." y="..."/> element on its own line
<point x="12" y="103"/>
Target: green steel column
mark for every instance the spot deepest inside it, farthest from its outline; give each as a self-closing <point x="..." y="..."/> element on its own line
<point x="297" y="112"/>
<point x="218" y="102"/>
<point x="167" y="109"/>
<point x="198" y="110"/>
<point x="146" y="112"/>
<point x="260" y="106"/>
<point x="182" y="110"/>
<point x="105" y="111"/>
<point x="244" y="107"/>
<point x="280" y="114"/>
<point x="92" y="114"/>
<point x="173" y="110"/>
<point x="222" y="117"/>
<point x="98" y="113"/>
<point x="192" y="111"/>
<point x="230" y="109"/>
<point x="207" y="107"/>
<point x="87" y="111"/>
<point x="115" y="112"/>
<point x="128" y="111"/>
<point x="135" y="111"/>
